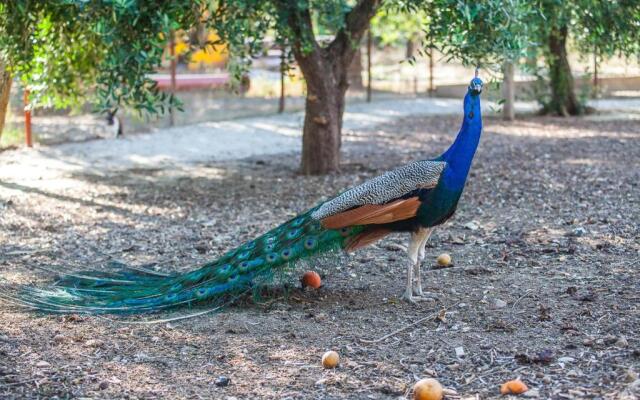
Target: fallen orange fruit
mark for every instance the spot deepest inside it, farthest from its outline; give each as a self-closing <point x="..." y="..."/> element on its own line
<point x="427" y="389"/>
<point x="311" y="279"/>
<point x="515" y="386"/>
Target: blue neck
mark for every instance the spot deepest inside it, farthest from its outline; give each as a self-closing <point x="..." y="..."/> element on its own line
<point x="460" y="155"/>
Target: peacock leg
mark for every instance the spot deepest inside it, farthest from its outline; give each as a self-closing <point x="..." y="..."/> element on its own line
<point x="413" y="252"/>
<point x="417" y="288"/>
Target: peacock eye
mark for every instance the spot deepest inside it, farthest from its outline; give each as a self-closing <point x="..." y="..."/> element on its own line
<point x="471" y="114"/>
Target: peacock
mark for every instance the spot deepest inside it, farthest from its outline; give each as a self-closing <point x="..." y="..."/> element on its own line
<point x="414" y="198"/>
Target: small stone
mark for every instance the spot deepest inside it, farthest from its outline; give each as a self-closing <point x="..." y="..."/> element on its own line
<point x="459" y="352"/>
<point x="42" y="364"/>
<point x="546" y="379"/>
<point x="320" y="317"/>
<point x="579" y="232"/>
<point x="588" y="342"/>
<point x="103" y="385"/>
<point x="566" y="359"/>
<point x="630" y="376"/>
<point x="622" y="342"/>
<point x="93" y="343"/>
<point x="222" y="381"/>
<point x="58" y="338"/>
<point x="532" y="393"/>
<point x="472" y="226"/>
<point x="500" y="303"/>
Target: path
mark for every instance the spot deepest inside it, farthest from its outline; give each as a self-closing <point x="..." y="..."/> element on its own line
<point x="225" y="140"/>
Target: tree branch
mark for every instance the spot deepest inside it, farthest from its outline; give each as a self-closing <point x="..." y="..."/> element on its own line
<point x="356" y="23"/>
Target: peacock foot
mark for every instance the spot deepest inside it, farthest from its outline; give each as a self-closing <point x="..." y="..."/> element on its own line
<point x="426" y="296"/>
<point x="415" y="299"/>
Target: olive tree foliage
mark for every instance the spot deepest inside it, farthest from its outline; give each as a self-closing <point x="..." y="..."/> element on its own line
<point x="603" y="27"/>
<point x="64" y="49"/>
<point x="483" y="33"/>
<point x="392" y="27"/>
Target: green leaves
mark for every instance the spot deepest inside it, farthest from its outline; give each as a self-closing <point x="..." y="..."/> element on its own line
<point x="65" y="49"/>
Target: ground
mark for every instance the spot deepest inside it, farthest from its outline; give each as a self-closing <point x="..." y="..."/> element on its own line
<point x="544" y="285"/>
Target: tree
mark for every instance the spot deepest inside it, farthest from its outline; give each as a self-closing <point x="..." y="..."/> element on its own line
<point x="607" y="27"/>
<point x="508" y="92"/>
<point x="5" y="91"/>
<point x="63" y="48"/>
<point x="474" y="31"/>
<point x="66" y="50"/>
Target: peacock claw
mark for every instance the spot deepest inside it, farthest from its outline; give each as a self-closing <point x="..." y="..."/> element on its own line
<point x="410" y="298"/>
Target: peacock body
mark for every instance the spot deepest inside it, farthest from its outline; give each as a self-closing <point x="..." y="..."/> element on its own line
<point x="414" y="198"/>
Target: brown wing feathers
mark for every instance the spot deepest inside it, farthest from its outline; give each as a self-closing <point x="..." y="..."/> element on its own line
<point x="365" y="238"/>
<point x="374" y="214"/>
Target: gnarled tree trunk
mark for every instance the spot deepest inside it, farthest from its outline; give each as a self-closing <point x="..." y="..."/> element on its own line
<point x="563" y="97"/>
<point x="5" y="90"/>
<point x="325" y="70"/>
<point x="321" y="137"/>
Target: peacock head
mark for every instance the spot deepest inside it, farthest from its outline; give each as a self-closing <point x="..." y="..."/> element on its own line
<point x="475" y="87"/>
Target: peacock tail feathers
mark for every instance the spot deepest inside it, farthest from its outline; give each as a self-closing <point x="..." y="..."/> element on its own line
<point x="127" y="290"/>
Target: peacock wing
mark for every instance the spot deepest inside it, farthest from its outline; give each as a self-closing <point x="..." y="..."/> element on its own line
<point x="374" y="214"/>
<point x="384" y="190"/>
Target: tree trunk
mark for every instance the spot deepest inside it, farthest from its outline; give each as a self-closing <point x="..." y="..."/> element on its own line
<point x="508" y="92"/>
<point x="324" y="107"/>
<point x="409" y="49"/>
<point x="563" y="97"/>
<point x="355" y="72"/>
<point x="5" y="90"/>
<point x="325" y="73"/>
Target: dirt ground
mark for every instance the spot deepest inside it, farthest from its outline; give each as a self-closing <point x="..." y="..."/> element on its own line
<point x="544" y="285"/>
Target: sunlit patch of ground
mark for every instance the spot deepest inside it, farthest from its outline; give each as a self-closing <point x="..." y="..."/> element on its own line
<point x="544" y="247"/>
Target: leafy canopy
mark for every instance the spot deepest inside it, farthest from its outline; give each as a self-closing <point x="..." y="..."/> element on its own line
<point x="63" y="49"/>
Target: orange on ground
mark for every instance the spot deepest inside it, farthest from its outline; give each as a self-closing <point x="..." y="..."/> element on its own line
<point x="427" y="389"/>
<point x="330" y="359"/>
<point x="515" y="386"/>
<point x="312" y="279"/>
<point x="444" y="260"/>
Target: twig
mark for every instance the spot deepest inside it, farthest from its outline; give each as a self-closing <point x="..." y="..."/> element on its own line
<point x="513" y="307"/>
<point x="16" y="383"/>
<point x="380" y="339"/>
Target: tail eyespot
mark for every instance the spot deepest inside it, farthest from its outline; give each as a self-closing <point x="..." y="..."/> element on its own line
<point x="225" y="268"/>
<point x="171" y="296"/>
<point x="297" y="222"/>
<point x="293" y="233"/>
<point x="310" y="243"/>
